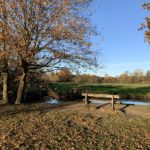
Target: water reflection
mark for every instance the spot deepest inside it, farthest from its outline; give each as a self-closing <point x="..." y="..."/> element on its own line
<point x="126" y="101"/>
<point x="131" y="102"/>
<point x="53" y="102"/>
<point x="134" y="102"/>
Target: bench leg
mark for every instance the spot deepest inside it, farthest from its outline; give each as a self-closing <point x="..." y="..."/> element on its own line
<point x="112" y="102"/>
<point x="86" y="100"/>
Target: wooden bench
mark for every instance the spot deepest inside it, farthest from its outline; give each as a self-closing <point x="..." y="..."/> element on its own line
<point x="111" y="97"/>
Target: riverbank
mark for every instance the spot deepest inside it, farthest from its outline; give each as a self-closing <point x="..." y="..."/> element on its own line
<point x="73" y="126"/>
<point x="126" y="91"/>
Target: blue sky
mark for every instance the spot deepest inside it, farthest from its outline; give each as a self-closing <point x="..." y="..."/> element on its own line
<point x="123" y="48"/>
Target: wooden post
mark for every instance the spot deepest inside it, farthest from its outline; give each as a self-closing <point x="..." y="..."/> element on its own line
<point x="112" y="101"/>
<point x="86" y="99"/>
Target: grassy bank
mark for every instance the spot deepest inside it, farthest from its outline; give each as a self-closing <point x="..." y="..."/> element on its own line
<point x="130" y="91"/>
<point x="74" y="128"/>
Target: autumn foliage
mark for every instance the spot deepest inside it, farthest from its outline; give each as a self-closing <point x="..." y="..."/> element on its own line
<point x="43" y="35"/>
<point x="146" y="25"/>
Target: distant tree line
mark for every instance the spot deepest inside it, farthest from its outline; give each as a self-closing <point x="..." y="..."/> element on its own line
<point x="65" y="75"/>
<point x="137" y="76"/>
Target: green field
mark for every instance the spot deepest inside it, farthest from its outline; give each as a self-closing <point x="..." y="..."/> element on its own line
<point x="130" y="91"/>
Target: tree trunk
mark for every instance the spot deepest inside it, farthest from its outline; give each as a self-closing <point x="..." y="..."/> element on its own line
<point x="5" y="88"/>
<point x="21" y="89"/>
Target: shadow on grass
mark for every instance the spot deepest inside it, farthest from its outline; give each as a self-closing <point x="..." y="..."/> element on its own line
<point x="116" y="89"/>
<point x="102" y="105"/>
<point x="126" y="91"/>
<point x="123" y="109"/>
<point x="101" y="88"/>
<point x="10" y="110"/>
<point x="143" y="90"/>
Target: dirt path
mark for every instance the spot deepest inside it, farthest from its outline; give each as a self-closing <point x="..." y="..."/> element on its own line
<point x="128" y="110"/>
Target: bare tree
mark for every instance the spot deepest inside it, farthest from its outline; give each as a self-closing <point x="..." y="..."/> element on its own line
<point x="65" y="75"/>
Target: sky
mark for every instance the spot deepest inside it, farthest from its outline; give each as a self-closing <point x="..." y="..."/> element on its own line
<point x="123" y="47"/>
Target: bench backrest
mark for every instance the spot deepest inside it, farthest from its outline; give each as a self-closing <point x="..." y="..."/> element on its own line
<point x="101" y="95"/>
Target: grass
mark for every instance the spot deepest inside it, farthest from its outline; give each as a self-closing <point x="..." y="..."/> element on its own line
<point x="73" y="129"/>
<point x="131" y="91"/>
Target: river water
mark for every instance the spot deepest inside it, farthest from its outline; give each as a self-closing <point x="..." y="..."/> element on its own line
<point x="125" y="101"/>
<point x="53" y="102"/>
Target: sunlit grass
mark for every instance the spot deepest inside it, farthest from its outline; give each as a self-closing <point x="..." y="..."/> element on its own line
<point x="132" y="91"/>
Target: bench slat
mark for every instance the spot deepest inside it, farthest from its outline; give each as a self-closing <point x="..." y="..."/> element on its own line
<point x="101" y="95"/>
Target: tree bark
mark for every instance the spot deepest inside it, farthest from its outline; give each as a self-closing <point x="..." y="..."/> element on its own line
<point x="5" y="89"/>
<point x="21" y="89"/>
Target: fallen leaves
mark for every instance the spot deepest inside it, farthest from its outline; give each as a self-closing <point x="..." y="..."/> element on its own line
<point x="73" y="129"/>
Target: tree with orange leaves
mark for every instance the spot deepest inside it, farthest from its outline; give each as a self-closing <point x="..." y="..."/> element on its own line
<point x="4" y="49"/>
<point x="49" y="35"/>
<point x="147" y="23"/>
